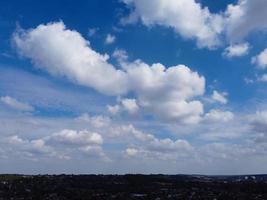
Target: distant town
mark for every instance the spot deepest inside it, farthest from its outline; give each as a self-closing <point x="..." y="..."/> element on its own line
<point x="124" y="187"/>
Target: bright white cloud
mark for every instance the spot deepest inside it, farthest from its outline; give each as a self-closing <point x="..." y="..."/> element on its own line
<point x="110" y="39"/>
<point x="186" y="17"/>
<point x="161" y="91"/>
<point x="219" y="97"/>
<point x="15" y="104"/>
<point x="236" y="50"/>
<point x="77" y="137"/>
<point x="260" y="60"/>
<point x="167" y="92"/>
<point x="216" y="115"/>
<point x="192" y="20"/>
<point x="130" y="105"/>
<point x="66" y="53"/>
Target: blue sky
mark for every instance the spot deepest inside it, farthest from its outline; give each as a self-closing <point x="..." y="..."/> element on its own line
<point x="131" y="86"/>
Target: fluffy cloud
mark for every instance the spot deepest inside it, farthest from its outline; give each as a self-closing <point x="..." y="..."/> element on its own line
<point x="245" y="17"/>
<point x="259" y="122"/>
<point x="186" y="17"/>
<point x="77" y="137"/>
<point x="236" y="50"/>
<point x="219" y="97"/>
<point x="131" y="151"/>
<point x="192" y="20"/>
<point x="110" y="39"/>
<point x="15" y="104"/>
<point x="63" y="52"/>
<point x="30" y="147"/>
<point x="167" y="92"/>
<point x="161" y="91"/>
<point x="260" y="60"/>
<point x="130" y="105"/>
<point x="149" y="143"/>
<point x="216" y="115"/>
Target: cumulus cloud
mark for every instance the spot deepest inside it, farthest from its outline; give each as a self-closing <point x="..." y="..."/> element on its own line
<point x="150" y="143"/>
<point x="110" y="39"/>
<point x="74" y="137"/>
<point x="219" y="97"/>
<point x="131" y="151"/>
<point x="245" y="17"/>
<point x="260" y="60"/>
<point x="216" y="115"/>
<point x="30" y="147"/>
<point x="130" y="105"/>
<point x="63" y="52"/>
<point x="192" y="20"/>
<point x="236" y="50"/>
<point x="186" y="17"/>
<point x="259" y="122"/>
<point x="165" y="92"/>
<point x="15" y="104"/>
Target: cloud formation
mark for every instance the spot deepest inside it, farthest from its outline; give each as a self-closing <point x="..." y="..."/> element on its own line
<point x="260" y="60"/>
<point x="15" y="104"/>
<point x="186" y="17"/>
<point x="192" y="20"/>
<point x="236" y="50"/>
<point x="161" y="91"/>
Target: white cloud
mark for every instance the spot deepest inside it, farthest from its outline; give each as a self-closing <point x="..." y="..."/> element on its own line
<point x="263" y="78"/>
<point x="236" y="50"/>
<point x="167" y="92"/>
<point x="130" y="105"/>
<point x="110" y="39"/>
<point x="30" y="147"/>
<point x="15" y="104"/>
<point x="245" y="17"/>
<point x="192" y="20"/>
<point x="259" y="122"/>
<point x="131" y="151"/>
<point x="74" y="137"/>
<point x="219" y="97"/>
<point x="121" y="55"/>
<point x="98" y="121"/>
<point x="113" y="109"/>
<point x="66" y="53"/>
<point x="186" y="17"/>
<point x="216" y="115"/>
<point x="260" y="60"/>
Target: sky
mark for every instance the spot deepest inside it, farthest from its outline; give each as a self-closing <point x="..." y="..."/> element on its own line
<point x="133" y="86"/>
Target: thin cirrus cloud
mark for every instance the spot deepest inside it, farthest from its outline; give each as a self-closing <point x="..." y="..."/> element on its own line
<point x="64" y="52"/>
<point x="17" y="105"/>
